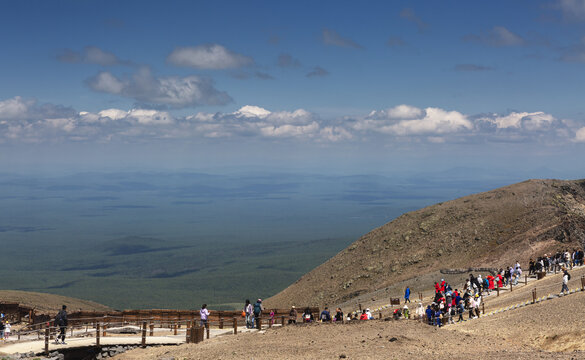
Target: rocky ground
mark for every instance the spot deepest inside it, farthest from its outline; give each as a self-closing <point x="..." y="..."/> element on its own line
<point x="551" y="329"/>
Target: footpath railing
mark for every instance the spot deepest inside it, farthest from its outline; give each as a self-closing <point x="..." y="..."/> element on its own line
<point x="103" y="326"/>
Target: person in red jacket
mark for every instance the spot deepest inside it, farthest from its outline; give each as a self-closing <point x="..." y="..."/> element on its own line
<point x="364" y="316"/>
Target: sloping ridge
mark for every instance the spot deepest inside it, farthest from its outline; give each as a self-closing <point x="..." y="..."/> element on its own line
<point x="489" y="229"/>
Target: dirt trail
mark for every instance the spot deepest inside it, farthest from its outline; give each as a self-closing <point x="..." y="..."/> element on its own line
<point x="546" y="330"/>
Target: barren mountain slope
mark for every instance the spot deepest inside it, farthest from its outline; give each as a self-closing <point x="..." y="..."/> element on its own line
<point x="489" y="229"/>
<point x="49" y="303"/>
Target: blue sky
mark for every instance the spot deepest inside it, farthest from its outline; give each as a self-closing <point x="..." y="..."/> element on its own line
<point x="327" y="85"/>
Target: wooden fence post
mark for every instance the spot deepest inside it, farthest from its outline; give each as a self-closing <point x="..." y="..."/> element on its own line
<point x="534" y="296"/>
<point x="282" y="319"/>
<point x="510" y="285"/>
<point x="420" y="296"/>
<point x="207" y="329"/>
<point x="259" y="322"/>
<point x="97" y="334"/>
<point x="235" y="320"/>
<point x="47" y="330"/>
<point x="221" y="323"/>
<point x="151" y="329"/>
<point x="104" y="330"/>
<point x="175" y="332"/>
<point x="188" y="336"/>
<point x="498" y="289"/>
<point x="144" y="334"/>
<point x="360" y="305"/>
<point x="525" y="279"/>
<point x="582" y="283"/>
<point x="482" y="306"/>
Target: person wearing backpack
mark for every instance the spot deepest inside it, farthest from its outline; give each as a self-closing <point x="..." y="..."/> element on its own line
<point x="258" y="312"/>
<point x="325" y="315"/>
<point x="61" y="322"/>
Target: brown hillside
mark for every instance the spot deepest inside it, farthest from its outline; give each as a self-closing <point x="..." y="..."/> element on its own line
<point x="489" y="229"/>
<point x="49" y="303"/>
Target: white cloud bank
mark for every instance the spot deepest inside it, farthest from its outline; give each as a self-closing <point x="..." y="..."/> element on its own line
<point x="24" y="120"/>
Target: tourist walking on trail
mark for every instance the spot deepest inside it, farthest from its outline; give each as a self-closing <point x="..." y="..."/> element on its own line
<point x="249" y="310"/>
<point x="258" y="308"/>
<point x="325" y="315"/>
<point x="566" y="278"/>
<point x="407" y="295"/>
<point x="61" y="322"/>
<point x="292" y="315"/>
<point x="338" y="315"/>
<point x="204" y="315"/>
<point x="420" y="311"/>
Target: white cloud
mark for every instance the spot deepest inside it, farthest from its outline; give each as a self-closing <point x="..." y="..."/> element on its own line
<point x="580" y="135"/>
<point x="150" y="117"/>
<point x="398" y="112"/>
<point x="289" y="130"/>
<point x="113" y="114"/>
<point x="106" y="82"/>
<point x="172" y="91"/>
<point x="250" y="111"/>
<point x="13" y="108"/>
<point x="406" y="120"/>
<point x="525" y="120"/>
<point x="435" y="121"/>
<point x="209" y="56"/>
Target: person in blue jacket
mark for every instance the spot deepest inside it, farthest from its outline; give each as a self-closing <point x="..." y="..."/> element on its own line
<point x="429" y="313"/>
<point x="325" y="315"/>
<point x="407" y="295"/>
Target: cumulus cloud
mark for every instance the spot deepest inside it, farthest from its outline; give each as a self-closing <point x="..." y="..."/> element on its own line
<point x="435" y="121"/>
<point x="331" y="37"/>
<point x="399" y="112"/>
<point x="408" y="14"/>
<point x="171" y="91"/>
<point x="14" y="108"/>
<point x="406" y="120"/>
<point x="498" y="36"/>
<point x="317" y="72"/>
<point x="208" y="56"/>
<point x="580" y="135"/>
<point x="91" y="55"/>
<point x="521" y="120"/>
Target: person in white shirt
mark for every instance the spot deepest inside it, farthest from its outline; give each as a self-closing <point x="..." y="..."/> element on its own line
<point x="565" y="282"/>
<point x="204" y="314"/>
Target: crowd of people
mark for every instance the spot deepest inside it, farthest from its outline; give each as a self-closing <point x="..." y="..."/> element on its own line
<point x="552" y="262"/>
<point x="449" y="304"/>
